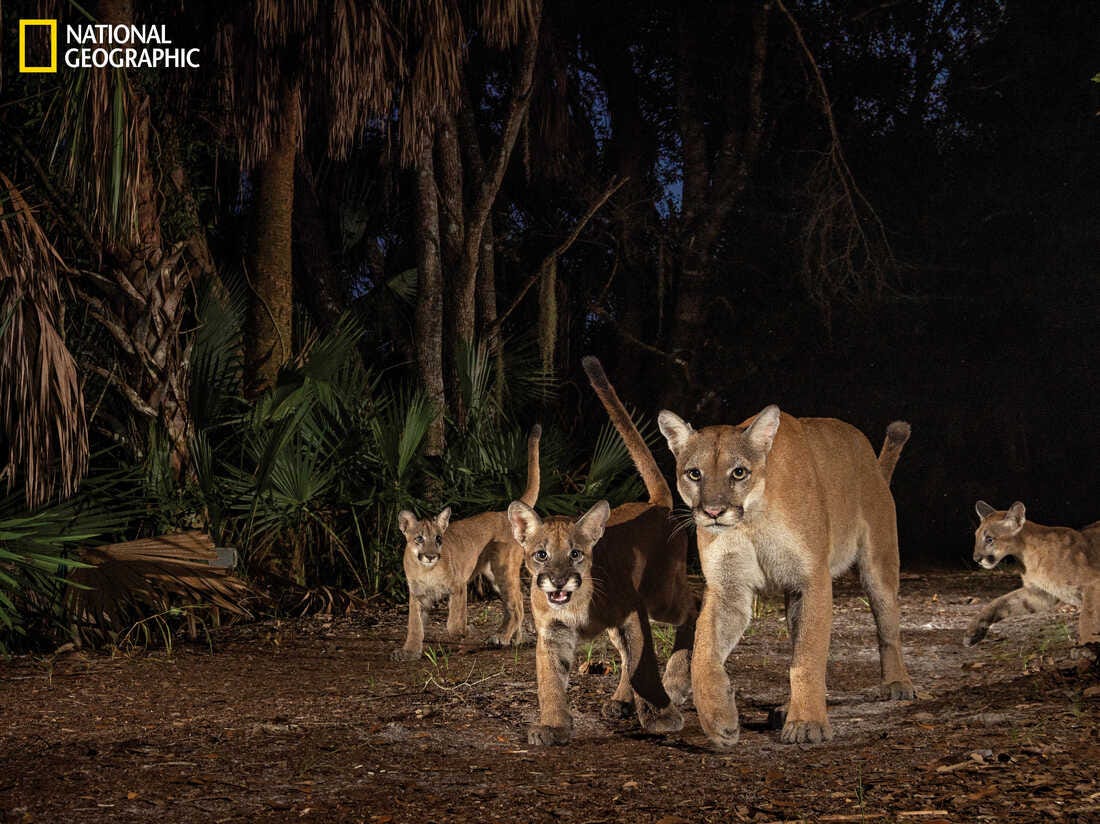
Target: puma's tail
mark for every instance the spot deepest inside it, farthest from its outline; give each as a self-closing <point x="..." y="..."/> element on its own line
<point x="897" y="434"/>
<point x="531" y="494"/>
<point x="655" y="484"/>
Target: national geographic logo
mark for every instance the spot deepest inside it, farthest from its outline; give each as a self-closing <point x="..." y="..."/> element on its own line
<point x="100" y="45"/>
<point x="40" y="27"/>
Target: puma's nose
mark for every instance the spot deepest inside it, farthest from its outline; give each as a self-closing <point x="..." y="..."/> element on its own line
<point x="714" y="511"/>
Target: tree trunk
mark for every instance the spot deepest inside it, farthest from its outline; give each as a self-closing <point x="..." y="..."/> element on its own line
<point x="318" y="284"/>
<point x="429" y="300"/>
<point x="271" y="306"/>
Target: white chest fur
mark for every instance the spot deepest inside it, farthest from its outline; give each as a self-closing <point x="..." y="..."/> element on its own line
<point x="766" y="558"/>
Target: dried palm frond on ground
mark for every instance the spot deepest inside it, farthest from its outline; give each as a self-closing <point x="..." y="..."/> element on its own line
<point x="124" y="582"/>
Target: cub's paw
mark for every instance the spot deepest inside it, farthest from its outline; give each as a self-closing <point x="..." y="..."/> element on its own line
<point x="897" y="691"/>
<point x="455" y="634"/>
<point x="614" y="710"/>
<point x="499" y="641"/>
<point x="539" y="735"/>
<point x="402" y="654"/>
<point x="677" y="680"/>
<point x="806" y="732"/>
<point x="660" y="721"/>
<point x="974" y="634"/>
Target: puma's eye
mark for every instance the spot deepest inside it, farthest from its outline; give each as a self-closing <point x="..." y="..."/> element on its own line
<point x="419" y="539"/>
<point x="693" y="474"/>
<point x="439" y="540"/>
<point x="575" y="555"/>
<point x="739" y="473"/>
<point x="988" y="540"/>
<point x="540" y="555"/>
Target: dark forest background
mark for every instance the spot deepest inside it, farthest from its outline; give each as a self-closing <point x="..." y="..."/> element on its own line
<point x="341" y="268"/>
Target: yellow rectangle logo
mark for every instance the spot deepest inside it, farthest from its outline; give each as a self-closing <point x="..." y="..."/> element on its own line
<point x="23" y="67"/>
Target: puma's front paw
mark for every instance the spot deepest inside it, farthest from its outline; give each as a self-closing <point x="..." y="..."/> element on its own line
<point x="723" y="732"/>
<point x="897" y="691"/>
<point x="539" y="735"/>
<point x="799" y="731"/>
<point x="660" y="721"/>
<point x="403" y="654"/>
<point x="455" y="633"/>
<point x="974" y="634"/>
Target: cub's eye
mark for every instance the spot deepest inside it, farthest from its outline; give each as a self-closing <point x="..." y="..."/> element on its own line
<point x="540" y="555"/>
<point x="693" y="474"/>
<point x="739" y="473"/>
<point x="575" y="555"/>
<point x="419" y="539"/>
<point x="439" y="540"/>
<point x="988" y="539"/>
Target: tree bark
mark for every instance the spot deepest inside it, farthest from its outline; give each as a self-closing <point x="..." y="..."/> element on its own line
<point x="318" y="284"/>
<point x="272" y="300"/>
<point x="429" y="300"/>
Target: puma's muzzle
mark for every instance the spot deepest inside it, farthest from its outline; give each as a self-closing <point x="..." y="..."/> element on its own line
<point x="558" y="589"/>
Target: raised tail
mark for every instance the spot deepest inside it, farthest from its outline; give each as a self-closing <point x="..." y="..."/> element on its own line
<point x="531" y="494"/>
<point x="897" y="434"/>
<point x="655" y="484"/>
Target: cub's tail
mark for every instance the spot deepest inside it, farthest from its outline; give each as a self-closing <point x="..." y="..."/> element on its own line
<point x="655" y="484"/>
<point x="531" y="494"/>
<point x="897" y="434"/>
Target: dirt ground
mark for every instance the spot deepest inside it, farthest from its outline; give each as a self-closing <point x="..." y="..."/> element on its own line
<point x="310" y="720"/>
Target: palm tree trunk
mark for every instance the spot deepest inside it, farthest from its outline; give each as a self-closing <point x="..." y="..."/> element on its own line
<point x="271" y="309"/>
<point x="429" y="299"/>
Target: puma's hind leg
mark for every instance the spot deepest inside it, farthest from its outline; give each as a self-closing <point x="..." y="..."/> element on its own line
<point x="879" y="572"/>
<point x="621" y="704"/>
<point x="656" y="712"/>
<point x="506" y="565"/>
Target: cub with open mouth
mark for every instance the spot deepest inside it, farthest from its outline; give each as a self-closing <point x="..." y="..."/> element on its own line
<point x="610" y="570"/>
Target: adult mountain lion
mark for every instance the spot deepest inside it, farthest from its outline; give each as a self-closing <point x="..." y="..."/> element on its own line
<point x="1060" y="564"/>
<point x="613" y="570"/>
<point x="441" y="558"/>
<point x="784" y="504"/>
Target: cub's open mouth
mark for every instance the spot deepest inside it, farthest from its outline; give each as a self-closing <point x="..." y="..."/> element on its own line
<point x="558" y="597"/>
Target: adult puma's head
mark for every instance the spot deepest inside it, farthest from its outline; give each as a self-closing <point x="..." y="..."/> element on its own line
<point x="558" y="551"/>
<point x="721" y="470"/>
<point x="998" y="534"/>
<point x="424" y="539"/>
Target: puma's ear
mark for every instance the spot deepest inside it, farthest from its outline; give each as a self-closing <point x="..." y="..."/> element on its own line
<point x="591" y="524"/>
<point x="524" y="520"/>
<point x="443" y="519"/>
<point x="1015" y="517"/>
<point x="406" y="521"/>
<point x="761" y="432"/>
<point x="983" y="509"/>
<point x="675" y="429"/>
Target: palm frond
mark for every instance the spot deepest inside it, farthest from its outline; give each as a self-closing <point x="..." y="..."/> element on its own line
<point x="41" y="404"/>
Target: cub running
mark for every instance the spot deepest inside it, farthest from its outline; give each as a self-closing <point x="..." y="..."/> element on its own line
<point x="784" y="503"/>
<point x="1060" y="564"/>
<point x="613" y="570"/>
<point x="441" y="561"/>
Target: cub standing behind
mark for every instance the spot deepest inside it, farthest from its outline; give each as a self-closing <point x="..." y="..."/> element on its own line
<point x="441" y="561"/>
<point x="783" y="503"/>
<point x="613" y="570"/>
<point x="1060" y="564"/>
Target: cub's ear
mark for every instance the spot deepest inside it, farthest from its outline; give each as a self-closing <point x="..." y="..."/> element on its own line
<point x="592" y="523"/>
<point x="1015" y="517"/>
<point x="761" y="432"/>
<point x="443" y="519"/>
<point x="983" y="509"/>
<point x="675" y="429"/>
<point x="524" y="520"/>
<point x="406" y="522"/>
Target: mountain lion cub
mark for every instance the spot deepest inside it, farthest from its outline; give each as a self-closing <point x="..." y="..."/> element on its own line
<point x="1060" y="564"/>
<point x="441" y="558"/>
<point x="784" y="504"/>
<point x="613" y="570"/>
